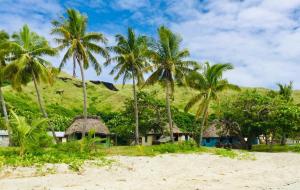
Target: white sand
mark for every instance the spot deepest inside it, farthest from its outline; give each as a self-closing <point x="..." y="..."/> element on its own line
<point x="168" y="172"/>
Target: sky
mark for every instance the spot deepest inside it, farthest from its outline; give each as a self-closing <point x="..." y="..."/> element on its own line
<point x="261" y="38"/>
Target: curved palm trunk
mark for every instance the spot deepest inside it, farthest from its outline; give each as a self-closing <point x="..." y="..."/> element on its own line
<point x="41" y="105"/>
<point x="3" y="107"/>
<point x="136" y="113"/>
<point x="204" y="116"/>
<point x="84" y="99"/>
<point x="168" y="104"/>
<point x="4" y="110"/>
<point x="74" y="66"/>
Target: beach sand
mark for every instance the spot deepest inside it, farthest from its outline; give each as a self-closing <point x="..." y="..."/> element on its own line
<point x="166" y="172"/>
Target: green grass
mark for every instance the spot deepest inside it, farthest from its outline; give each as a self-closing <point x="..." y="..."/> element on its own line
<point x="70" y="154"/>
<point x="276" y="148"/>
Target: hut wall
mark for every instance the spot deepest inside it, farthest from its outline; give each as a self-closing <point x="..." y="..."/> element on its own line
<point x="147" y="140"/>
<point x="4" y="140"/>
<point x="210" y="141"/>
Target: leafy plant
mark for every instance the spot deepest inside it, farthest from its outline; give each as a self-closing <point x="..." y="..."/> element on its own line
<point x="28" y="136"/>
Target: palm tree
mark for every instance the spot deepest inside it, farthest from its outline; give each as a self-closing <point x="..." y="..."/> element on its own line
<point x="209" y="84"/>
<point x="28" y="64"/>
<point x="169" y="65"/>
<point x="130" y="63"/>
<point x="286" y="91"/>
<point x="80" y="45"/>
<point x="4" y="37"/>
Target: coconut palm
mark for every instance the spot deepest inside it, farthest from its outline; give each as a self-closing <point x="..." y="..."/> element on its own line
<point x="130" y="62"/>
<point x="169" y="65"/>
<point x="80" y="45"/>
<point x="209" y="84"/>
<point x="4" y="37"/>
<point x="286" y="91"/>
<point x="28" y="64"/>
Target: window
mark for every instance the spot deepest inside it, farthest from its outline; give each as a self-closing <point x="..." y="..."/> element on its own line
<point x="208" y="140"/>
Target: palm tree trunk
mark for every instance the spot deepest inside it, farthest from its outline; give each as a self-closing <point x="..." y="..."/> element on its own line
<point x="5" y="116"/>
<point x="74" y="66"/>
<point x="4" y="107"/>
<point x="136" y="113"/>
<point x="204" y="118"/>
<point x="41" y="105"/>
<point x="169" y="110"/>
<point x="84" y="98"/>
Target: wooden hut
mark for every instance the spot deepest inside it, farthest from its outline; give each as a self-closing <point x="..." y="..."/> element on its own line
<point x="93" y="123"/>
<point x="158" y="137"/>
<point x="214" y="137"/>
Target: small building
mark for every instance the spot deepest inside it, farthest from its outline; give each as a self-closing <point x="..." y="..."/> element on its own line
<point x="60" y="135"/>
<point x="4" y="139"/>
<point x="158" y="137"/>
<point x="93" y="123"/>
<point x="212" y="137"/>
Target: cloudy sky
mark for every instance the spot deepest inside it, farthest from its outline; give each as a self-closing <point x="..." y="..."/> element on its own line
<point x="261" y="38"/>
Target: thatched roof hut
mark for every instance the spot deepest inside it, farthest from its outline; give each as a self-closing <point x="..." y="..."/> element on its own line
<point x="175" y="129"/>
<point x="93" y="123"/>
<point x="211" y="131"/>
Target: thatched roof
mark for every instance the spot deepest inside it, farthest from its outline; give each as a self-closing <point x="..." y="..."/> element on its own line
<point x="211" y="131"/>
<point x="214" y="131"/>
<point x="93" y="123"/>
<point x="176" y="130"/>
<point x="166" y="129"/>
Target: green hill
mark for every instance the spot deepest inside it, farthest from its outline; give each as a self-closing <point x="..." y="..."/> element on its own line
<point x="63" y="107"/>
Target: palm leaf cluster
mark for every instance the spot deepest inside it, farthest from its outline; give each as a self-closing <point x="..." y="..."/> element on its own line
<point x="209" y="84"/>
<point x="28" y="50"/>
<point x="286" y="91"/>
<point x="71" y="32"/>
<point x="168" y="60"/>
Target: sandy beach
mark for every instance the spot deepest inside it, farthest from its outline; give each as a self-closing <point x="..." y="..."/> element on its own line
<point x="166" y="172"/>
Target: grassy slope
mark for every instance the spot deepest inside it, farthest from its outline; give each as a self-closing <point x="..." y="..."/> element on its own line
<point x="98" y="95"/>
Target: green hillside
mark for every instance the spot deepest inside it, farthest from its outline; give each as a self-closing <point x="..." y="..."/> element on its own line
<point x="63" y="107"/>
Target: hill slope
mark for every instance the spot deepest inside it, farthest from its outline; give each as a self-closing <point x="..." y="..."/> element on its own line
<point x="63" y="100"/>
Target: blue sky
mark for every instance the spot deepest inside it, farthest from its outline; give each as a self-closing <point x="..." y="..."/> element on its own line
<point x="261" y="38"/>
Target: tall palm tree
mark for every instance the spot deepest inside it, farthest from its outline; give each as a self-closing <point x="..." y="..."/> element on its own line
<point x="209" y="84"/>
<point x="28" y="64"/>
<point x="80" y="45"/>
<point x="286" y="91"/>
<point x="4" y="37"/>
<point x="130" y="64"/>
<point x="169" y="65"/>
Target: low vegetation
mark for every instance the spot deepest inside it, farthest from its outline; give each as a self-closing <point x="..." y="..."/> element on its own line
<point x="71" y="154"/>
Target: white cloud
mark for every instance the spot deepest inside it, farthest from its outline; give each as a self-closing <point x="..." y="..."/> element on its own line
<point x="258" y="37"/>
<point x="130" y="4"/>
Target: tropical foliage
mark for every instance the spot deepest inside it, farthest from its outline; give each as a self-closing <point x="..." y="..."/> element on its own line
<point x="209" y="83"/>
<point x="27" y="53"/>
<point x="169" y="65"/>
<point x="80" y="44"/>
<point x="130" y="64"/>
<point x="251" y="114"/>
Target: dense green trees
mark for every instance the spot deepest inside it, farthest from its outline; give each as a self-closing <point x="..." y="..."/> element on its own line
<point x="209" y="84"/>
<point x="169" y="65"/>
<point x="152" y="117"/>
<point x="130" y="64"/>
<point x="80" y="45"/>
<point x="250" y="114"/>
